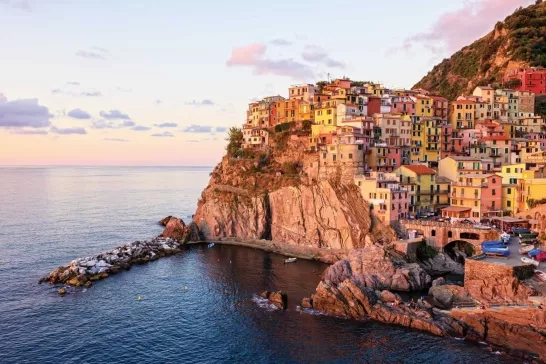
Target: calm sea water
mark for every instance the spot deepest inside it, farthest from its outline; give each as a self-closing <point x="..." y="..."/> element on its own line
<point x="49" y="216"/>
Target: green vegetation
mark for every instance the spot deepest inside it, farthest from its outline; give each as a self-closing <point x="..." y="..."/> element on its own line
<point x="279" y="128"/>
<point x="540" y="105"/>
<point x="290" y="168"/>
<point x="521" y="37"/>
<point x="235" y="139"/>
<point x="534" y="203"/>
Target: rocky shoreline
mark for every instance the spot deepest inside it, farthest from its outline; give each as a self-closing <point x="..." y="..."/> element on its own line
<point x="85" y="271"/>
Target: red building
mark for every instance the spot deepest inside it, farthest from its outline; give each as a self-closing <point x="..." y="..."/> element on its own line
<point x="532" y="79"/>
<point x="273" y="115"/>
<point x="374" y="105"/>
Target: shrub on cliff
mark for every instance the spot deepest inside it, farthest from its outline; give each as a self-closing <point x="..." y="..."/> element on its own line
<point x="235" y="139"/>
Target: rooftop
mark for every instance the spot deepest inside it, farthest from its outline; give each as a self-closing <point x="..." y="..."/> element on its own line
<point x="420" y="169"/>
<point x="496" y="137"/>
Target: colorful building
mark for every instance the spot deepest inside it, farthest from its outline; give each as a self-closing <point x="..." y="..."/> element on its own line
<point x="531" y="79"/>
<point x="454" y="166"/>
<point x="426" y="194"/>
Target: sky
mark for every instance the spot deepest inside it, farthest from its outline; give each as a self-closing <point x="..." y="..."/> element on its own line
<point x="158" y="83"/>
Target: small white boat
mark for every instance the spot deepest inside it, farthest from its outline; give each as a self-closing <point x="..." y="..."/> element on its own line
<point x="526" y="248"/>
<point x="529" y="261"/>
<point x="540" y="275"/>
<point x="211" y="245"/>
<point x="482" y="227"/>
<point x="290" y="260"/>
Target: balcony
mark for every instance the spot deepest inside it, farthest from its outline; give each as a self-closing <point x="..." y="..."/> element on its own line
<point x="432" y="149"/>
<point x="494" y="155"/>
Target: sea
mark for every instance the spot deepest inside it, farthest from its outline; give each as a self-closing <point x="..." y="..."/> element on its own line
<point x="52" y="215"/>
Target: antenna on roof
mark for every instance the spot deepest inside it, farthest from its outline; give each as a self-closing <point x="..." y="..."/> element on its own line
<point x="328" y="77"/>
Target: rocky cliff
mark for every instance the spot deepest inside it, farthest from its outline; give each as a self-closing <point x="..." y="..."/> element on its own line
<point x="279" y="196"/>
<point x="518" y="41"/>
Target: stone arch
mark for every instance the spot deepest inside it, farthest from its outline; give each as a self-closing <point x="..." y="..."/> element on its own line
<point x="450" y="234"/>
<point x="459" y="250"/>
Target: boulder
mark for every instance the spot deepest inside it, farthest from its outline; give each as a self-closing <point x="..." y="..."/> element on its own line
<point x="62" y="291"/>
<point x="165" y="221"/>
<point x="279" y="299"/>
<point x="439" y="282"/>
<point x="388" y="296"/>
<point x="177" y="230"/>
<point x="307" y="303"/>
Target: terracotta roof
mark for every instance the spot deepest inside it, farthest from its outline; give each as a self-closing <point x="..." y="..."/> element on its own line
<point x="463" y="102"/>
<point x="438" y="98"/>
<point x="456" y="209"/>
<point x="496" y="137"/>
<point x="420" y="169"/>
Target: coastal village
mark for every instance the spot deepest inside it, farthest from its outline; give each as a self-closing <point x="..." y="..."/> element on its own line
<point x="415" y="154"/>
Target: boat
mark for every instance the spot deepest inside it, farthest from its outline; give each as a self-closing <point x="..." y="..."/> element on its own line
<point x="211" y="245"/>
<point x="531" y="235"/>
<point x="533" y="253"/>
<point x="529" y="261"/>
<point x="493" y="244"/>
<point x="505" y="238"/>
<point x="482" y="227"/>
<point x="290" y="260"/>
<point x="518" y="231"/>
<point x="540" y="275"/>
<point x="527" y="241"/>
<point x="526" y="248"/>
<point x="503" y="252"/>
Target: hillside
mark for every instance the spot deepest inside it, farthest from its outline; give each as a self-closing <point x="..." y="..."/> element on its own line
<point x="518" y="41"/>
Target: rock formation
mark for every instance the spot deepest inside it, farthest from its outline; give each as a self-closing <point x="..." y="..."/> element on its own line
<point x="249" y="201"/>
<point x="279" y="299"/>
<point x="373" y="268"/>
<point x="175" y="229"/>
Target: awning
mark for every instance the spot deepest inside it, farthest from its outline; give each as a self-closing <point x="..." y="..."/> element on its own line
<point x="456" y="209"/>
<point x="509" y="220"/>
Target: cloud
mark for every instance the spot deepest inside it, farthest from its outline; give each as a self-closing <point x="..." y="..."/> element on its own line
<point x="59" y="91"/>
<point x="165" y="134"/>
<point x="166" y="125"/>
<point x="29" y="132"/>
<point x="205" y="102"/>
<point x="221" y="129"/>
<point x="192" y="141"/>
<point x="316" y="54"/>
<point x="114" y="115"/>
<point x="158" y="102"/>
<point x="17" y="4"/>
<point x="116" y="140"/>
<point x="73" y="83"/>
<point x="280" y="42"/>
<point x="79" y="114"/>
<point x="105" y="124"/>
<point x="68" y="131"/>
<point x="23" y="113"/>
<point x="121" y="89"/>
<point x="91" y="93"/>
<point x="140" y="128"/>
<point x="197" y="129"/>
<point x="94" y="53"/>
<point x="253" y="56"/>
<point x="449" y="33"/>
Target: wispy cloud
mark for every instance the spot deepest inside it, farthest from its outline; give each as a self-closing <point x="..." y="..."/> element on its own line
<point x="116" y="140"/>
<point x="68" y="131"/>
<point x="79" y="114"/>
<point x="280" y="42"/>
<point x="166" y="125"/>
<point x="29" y="132"/>
<point x="94" y="53"/>
<point x="92" y="93"/>
<point x="140" y="128"/>
<point x="205" y="102"/>
<point x="105" y="124"/>
<point x="165" y="134"/>
<point x="17" y="4"/>
<point x="23" y="113"/>
<point x="114" y="115"/>
<point x="221" y="129"/>
<point x="254" y="56"/>
<point x="449" y="34"/>
<point x="194" y="128"/>
<point x="317" y="54"/>
<point x="73" y="83"/>
<point x="192" y="141"/>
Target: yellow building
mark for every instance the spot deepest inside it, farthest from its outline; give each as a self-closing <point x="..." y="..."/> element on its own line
<point x="424" y="106"/>
<point x="461" y="114"/>
<point x="426" y="140"/>
<point x="428" y="194"/>
<point x="326" y="117"/>
<point x="306" y="111"/>
<point x="510" y="198"/>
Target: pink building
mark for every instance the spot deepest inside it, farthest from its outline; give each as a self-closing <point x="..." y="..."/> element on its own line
<point x="384" y="158"/>
<point x="489" y="128"/>
<point x="540" y="138"/>
<point x="404" y="105"/>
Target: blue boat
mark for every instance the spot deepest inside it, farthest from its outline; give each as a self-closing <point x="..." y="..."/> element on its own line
<point x="533" y="253"/>
<point x="493" y="244"/>
<point x="518" y="231"/>
<point x="496" y="251"/>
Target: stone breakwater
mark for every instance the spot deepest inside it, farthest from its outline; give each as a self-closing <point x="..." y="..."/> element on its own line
<point x="84" y="271"/>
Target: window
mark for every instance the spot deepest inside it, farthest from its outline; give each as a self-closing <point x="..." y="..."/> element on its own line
<point x="509" y="191"/>
<point x="433" y="232"/>
<point x="508" y="203"/>
<point x="507" y="170"/>
<point x="350" y="155"/>
<point x="493" y="192"/>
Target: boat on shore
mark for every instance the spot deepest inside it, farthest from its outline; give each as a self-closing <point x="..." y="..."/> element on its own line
<point x="505" y="238"/>
<point x="531" y="235"/>
<point x="540" y="275"/>
<point x="529" y="261"/>
<point x="526" y="248"/>
<point x="482" y="227"/>
<point x="290" y="260"/>
<point x="518" y="231"/>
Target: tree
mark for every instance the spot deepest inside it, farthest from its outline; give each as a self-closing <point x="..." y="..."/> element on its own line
<point x="513" y="83"/>
<point x="235" y="139"/>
